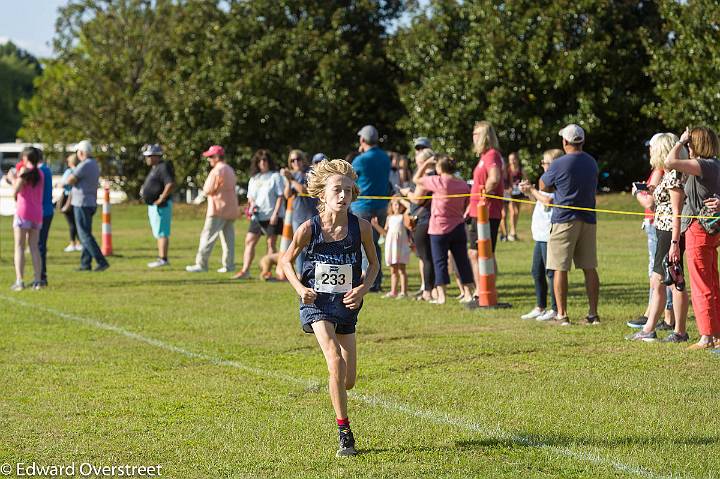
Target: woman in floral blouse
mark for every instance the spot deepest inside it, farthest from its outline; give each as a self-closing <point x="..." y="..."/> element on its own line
<point x="667" y="201"/>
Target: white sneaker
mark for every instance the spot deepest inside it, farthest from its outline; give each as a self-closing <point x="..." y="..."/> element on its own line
<point x="69" y="248"/>
<point x="225" y="270"/>
<point x="79" y="247"/>
<point x="157" y="264"/>
<point x="195" y="269"/>
<point x="548" y="315"/>
<point x="535" y="313"/>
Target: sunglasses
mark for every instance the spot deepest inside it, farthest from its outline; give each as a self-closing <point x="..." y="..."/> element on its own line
<point x="295" y="160"/>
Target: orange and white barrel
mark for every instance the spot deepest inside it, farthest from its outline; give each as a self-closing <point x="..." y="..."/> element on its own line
<point x="487" y="293"/>
<point x="287" y="232"/>
<point x="107" y="248"/>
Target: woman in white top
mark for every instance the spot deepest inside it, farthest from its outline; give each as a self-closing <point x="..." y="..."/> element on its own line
<point x="266" y="207"/>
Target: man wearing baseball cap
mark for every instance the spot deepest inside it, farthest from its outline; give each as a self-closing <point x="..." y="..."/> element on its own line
<point x="222" y="211"/>
<point x="156" y="191"/>
<point x="573" y="178"/>
<point x="373" y="169"/>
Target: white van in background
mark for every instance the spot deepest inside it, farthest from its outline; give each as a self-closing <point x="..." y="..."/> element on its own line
<point x="10" y="156"/>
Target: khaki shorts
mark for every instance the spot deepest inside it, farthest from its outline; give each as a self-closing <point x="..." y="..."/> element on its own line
<point x="573" y="241"/>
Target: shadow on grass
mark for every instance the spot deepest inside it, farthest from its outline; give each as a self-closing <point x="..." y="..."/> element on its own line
<point x="568" y="441"/>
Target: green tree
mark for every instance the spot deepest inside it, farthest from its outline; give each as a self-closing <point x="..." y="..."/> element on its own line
<point x="530" y="67"/>
<point x="685" y="65"/>
<point x="244" y="74"/>
<point x="18" y="68"/>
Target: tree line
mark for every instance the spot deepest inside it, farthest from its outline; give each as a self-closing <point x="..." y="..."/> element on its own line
<point x="307" y="74"/>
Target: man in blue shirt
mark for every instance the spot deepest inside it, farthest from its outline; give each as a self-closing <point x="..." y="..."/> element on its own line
<point x="573" y="178"/>
<point x="48" y="211"/>
<point x="373" y="169"/>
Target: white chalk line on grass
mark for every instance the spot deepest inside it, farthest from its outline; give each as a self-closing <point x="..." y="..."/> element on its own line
<point x="372" y="400"/>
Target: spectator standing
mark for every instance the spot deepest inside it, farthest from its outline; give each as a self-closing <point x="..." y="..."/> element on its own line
<point x="667" y="201"/>
<point x="304" y="207"/>
<point x="66" y="206"/>
<point x="267" y="207"/>
<point x="85" y="180"/>
<point x="646" y="200"/>
<point x="573" y="177"/>
<point x="515" y="176"/>
<point x="487" y="177"/>
<point x="397" y="248"/>
<point x="48" y="213"/>
<point x="420" y="215"/>
<point x="447" y="224"/>
<point x="157" y="193"/>
<point x="373" y="169"/>
<point x="28" y="185"/>
<point x="540" y="226"/>
<point x="222" y="211"/>
<point x="701" y="241"/>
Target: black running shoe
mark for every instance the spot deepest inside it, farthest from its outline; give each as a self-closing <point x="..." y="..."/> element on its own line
<point x="593" y="320"/>
<point x="677" y="338"/>
<point x="663" y="326"/>
<point x="347" y="443"/>
<point x="637" y="323"/>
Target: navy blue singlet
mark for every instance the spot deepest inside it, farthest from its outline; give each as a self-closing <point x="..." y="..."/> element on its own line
<point x="328" y="306"/>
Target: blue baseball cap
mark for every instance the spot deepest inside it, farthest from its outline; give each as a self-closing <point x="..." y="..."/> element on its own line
<point x="318" y="157"/>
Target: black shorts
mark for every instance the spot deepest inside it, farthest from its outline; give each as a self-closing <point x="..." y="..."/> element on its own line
<point x="664" y="239"/>
<point x="340" y="328"/>
<point x="473" y="236"/>
<point x="265" y="228"/>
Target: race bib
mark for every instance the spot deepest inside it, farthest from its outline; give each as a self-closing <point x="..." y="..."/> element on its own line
<point x="333" y="278"/>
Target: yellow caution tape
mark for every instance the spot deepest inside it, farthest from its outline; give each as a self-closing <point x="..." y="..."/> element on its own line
<point x="529" y="202"/>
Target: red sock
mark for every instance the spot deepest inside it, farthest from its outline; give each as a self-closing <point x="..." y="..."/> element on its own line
<point x="343" y="422"/>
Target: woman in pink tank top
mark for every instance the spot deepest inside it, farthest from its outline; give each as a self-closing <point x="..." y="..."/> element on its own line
<point x="28" y="186"/>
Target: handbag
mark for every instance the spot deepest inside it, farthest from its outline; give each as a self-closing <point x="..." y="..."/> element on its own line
<point x="710" y="221"/>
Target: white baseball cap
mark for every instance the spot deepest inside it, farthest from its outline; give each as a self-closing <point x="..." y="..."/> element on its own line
<point x="573" y="134"/>
<point x="84" y="146"/>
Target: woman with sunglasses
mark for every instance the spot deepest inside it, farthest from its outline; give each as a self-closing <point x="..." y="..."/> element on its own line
<point x="304" y="207"/>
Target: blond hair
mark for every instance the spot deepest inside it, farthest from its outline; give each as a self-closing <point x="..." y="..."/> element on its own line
<point x="486" y="138"/>
<point x="553" y="154"/>
<point x="300" y="154"/>
<point x="319" y="174"/>
<point x="660" y="148"/>
<point x="424" y="155"/>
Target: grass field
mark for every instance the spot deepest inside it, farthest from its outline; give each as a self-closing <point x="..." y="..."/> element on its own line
<point x="214" y="379"/>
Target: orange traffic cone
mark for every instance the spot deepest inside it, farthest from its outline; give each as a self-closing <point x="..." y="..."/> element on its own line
<point x="487" y="292"/>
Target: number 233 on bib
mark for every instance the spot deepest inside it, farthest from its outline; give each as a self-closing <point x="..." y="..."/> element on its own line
<point x="333" y="278"/>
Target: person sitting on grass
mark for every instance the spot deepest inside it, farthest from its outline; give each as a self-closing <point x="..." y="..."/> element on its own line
<point x="331" y="286"/>
<point x="540" y="227"/>
<point x="397" y="247"/>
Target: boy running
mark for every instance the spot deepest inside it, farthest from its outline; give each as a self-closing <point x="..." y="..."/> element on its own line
<point x="331" y="285"/>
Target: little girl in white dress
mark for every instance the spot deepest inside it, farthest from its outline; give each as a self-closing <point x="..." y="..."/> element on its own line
<point x="397" y="248"/>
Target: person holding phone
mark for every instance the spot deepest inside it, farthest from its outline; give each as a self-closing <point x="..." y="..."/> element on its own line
<point x="643" y="192"/>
